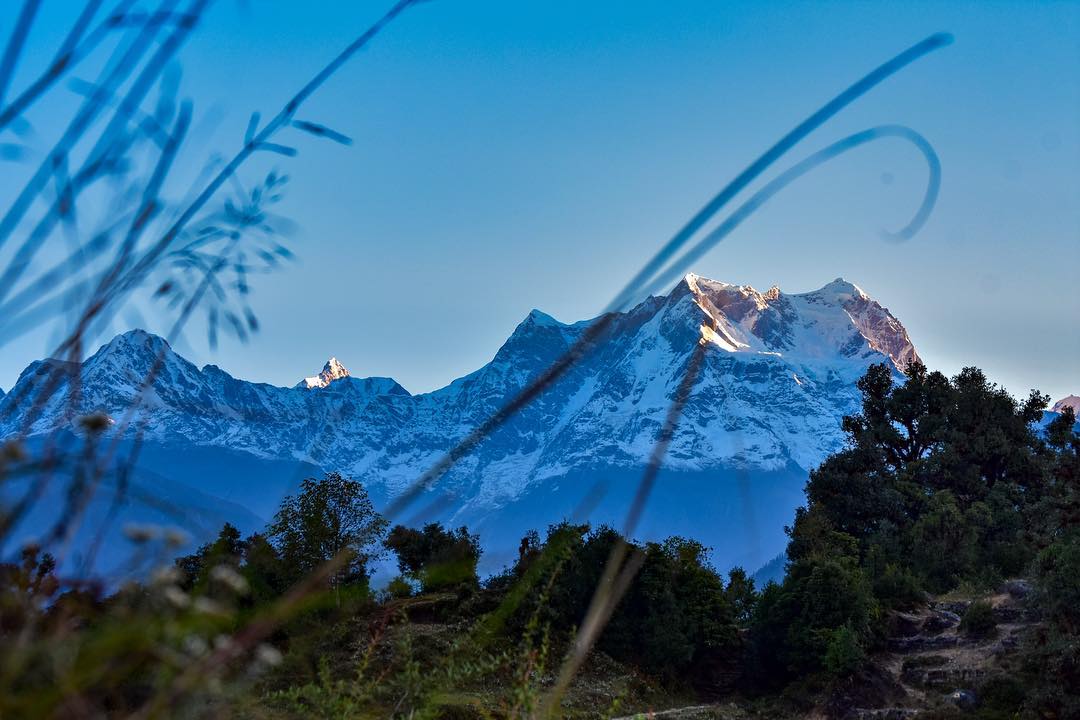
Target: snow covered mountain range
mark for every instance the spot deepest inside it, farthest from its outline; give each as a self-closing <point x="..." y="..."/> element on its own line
<point x="779" y="374"/>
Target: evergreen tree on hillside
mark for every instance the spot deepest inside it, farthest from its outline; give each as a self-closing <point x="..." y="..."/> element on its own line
<point x="741" y="596"/>
<point x="437" y="558"/>
<point x="329" y="519"/>
<point x="943" y="482"/>
<point x="675" y="620"/>
<point x="932" y="477"/>
<point x="226" y="549"/>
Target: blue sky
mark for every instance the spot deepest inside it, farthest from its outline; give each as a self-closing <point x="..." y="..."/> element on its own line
<point x="512" y="155"/>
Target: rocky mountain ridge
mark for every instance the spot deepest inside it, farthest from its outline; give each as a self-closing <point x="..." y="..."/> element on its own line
<point x="779" y="374"/>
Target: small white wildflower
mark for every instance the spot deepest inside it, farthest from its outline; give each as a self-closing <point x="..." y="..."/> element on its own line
<point x="229" y="577"/>
<point x="222" y="641"/>
<point x="141" y="533"/>
<point x="268" y="655"/>
<point x="176" y="596"/>
<point x="195" y="646"/>
<point x="209" y="607"/>
<point x="175" y="537"/>
<point x="166" y="575"/>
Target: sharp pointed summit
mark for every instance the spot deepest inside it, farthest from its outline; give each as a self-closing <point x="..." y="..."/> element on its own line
<point x="332" y="370"/>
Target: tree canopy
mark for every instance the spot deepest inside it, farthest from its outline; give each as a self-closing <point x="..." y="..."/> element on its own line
<point x="331" y="518"/>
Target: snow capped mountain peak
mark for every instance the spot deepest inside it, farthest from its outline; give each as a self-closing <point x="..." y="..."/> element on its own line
<point x="841" y="288"/>
<point x="837" y="321"/>
<point x="332" y="370"/>
<point x="1071" y="401"/>
<point x="541" y="318"/>
<point x="137" y="340"/>
<point x="131" y="355"/>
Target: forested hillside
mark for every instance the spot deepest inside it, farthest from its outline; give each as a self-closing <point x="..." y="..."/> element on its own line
<point x="935" y="569"/>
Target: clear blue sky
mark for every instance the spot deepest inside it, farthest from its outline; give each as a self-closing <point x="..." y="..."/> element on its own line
<point x="512" y="155"/>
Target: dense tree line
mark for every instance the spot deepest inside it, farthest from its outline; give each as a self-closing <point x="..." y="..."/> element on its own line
<point x="678" y="620"/>
<point x="943" y="484"/>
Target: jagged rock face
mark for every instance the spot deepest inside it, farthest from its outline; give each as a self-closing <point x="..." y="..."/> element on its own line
<point x="779" y="374"/>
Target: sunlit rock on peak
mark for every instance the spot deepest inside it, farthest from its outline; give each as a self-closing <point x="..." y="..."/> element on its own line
<point x="332" y="370"/>
<point x="1071" y="401"/>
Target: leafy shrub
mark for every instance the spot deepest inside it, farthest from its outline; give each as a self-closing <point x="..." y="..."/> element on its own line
<point x="674" y="621"/>
<point x="898" y="586"/>
<point x="978" y="620"/>
<point x="1001" y="698"/>
<point x="437" y="558"/>
<point x="844" y="655"/>
<point x="399" y="588"/>
<point x="1052" y="670"/>
<point x="1058" y="577"/>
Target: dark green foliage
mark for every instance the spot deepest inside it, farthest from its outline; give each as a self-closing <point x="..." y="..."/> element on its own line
<point x="844" y="654"/>
<point x="1002" y="698"/>
<point x="741" y="596"/>
<point x="1058" y="575"/>
<point x="893" y="583"/>
<point x="21" y="583"/>
<point x="978" y="620"/>
<point x="437" y="558"/>
<point x="685" y="622"/>
<point x="675" y="620"/>
<point x="227" y="549"/>
<point x="943" y="483"/>
<point x="798" y="619"/>
<point x="942" y="543"/>
<point x="1053" y="660"/>
<point x="262" y="568"/>
<point x="571" y="558"/>
<point x="1052" y="676"/>
<point x="935" y="485"/>
<point x="329" y="519"/>
<point x="399" y="588"/>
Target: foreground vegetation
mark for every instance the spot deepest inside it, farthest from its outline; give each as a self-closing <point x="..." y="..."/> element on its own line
<point x="945" y="486"/>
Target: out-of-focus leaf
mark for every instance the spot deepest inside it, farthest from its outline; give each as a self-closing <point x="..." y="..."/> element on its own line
<point x="322" y="131"/>
<point x="11" y="152"/>
<point x="279" y="149"/>
<point x="211" y="328"/>
<point x="252" y="128"/>
<point x="81" y="87"/>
